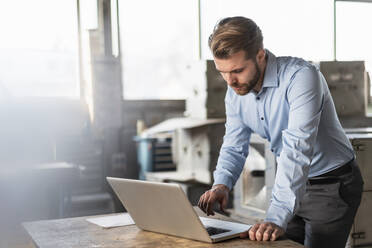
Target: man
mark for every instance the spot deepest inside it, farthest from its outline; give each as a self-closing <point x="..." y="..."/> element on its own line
<point x="286" y="100"/>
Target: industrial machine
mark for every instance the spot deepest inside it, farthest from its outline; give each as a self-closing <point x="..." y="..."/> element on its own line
<point x="191" y="145"/>
<point x="252" y="191"/>
<point x="349" y="84"/>
<point x="361" y="139"/>
<point x="195" y="145"/>
<point x="347" y="80"/>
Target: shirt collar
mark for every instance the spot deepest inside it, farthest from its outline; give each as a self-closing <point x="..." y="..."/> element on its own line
<point x="271" y="71"/>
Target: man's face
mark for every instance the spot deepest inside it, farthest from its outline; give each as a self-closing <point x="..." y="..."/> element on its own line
<point x="240" y="74"/>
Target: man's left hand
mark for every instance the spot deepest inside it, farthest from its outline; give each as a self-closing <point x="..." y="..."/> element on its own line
<point x="263" y="231"/>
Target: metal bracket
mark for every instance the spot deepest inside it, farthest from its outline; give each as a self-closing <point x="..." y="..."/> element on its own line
<point x="359" y="147"/>
<point x="358" y="235"/>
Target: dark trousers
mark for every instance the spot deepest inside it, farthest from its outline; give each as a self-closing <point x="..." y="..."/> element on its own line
<point x="327" y="211"/>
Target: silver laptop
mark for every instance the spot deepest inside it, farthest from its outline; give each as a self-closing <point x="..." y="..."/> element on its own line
<point x="164" y="208"/>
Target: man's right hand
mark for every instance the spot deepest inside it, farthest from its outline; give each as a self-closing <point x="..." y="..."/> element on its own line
<point x="218" y="193"/>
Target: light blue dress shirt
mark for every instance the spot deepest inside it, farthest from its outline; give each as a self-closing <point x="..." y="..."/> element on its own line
<point x="294" y="111"/>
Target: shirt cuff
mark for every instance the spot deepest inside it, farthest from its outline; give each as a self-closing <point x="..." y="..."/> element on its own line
<point x="279" y="216"/>
<point x="220" y="178"/>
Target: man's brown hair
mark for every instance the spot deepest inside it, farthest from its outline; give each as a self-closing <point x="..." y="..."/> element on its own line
<point x="233" y="34"/>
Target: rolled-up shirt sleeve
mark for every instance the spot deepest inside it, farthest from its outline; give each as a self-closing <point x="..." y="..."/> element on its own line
<point x="234" y="149"/>
<point x="305" y="96"/>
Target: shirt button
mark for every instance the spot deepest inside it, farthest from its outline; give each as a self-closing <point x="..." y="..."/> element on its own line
<point x="262" y="118"/>
<point x="272" y="150"/>
<point x="258" y="98"/>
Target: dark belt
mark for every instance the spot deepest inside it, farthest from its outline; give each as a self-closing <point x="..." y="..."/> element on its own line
<point x="333" y="175"/>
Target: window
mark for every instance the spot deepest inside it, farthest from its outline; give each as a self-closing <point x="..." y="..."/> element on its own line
<point x="353" y="34"/>
<point x="301" y="28"/>
<point x="159" y="48"/>
<point x="39" y="49"/>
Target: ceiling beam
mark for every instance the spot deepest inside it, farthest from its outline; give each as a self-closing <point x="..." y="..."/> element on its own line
<point x="360" y="1"/>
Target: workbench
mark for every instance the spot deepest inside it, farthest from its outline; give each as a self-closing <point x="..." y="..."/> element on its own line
<point x="77" y="232"/>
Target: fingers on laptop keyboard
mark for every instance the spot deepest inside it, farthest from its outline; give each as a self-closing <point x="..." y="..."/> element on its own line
<point x="205" y="203"/>
<point x="201" y="202"/>
<point x="210" y="203"/>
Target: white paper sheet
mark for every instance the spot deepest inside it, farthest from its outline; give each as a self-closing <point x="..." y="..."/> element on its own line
<point x="110" y="221"/>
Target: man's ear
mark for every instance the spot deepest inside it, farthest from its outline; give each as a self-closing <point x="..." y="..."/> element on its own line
<point x="260" y="57"/>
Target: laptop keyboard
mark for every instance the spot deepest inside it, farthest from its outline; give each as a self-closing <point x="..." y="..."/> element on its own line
<point x="213" y="230"/>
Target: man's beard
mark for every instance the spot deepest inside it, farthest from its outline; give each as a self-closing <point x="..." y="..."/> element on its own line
<point x="247" y="87"/>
